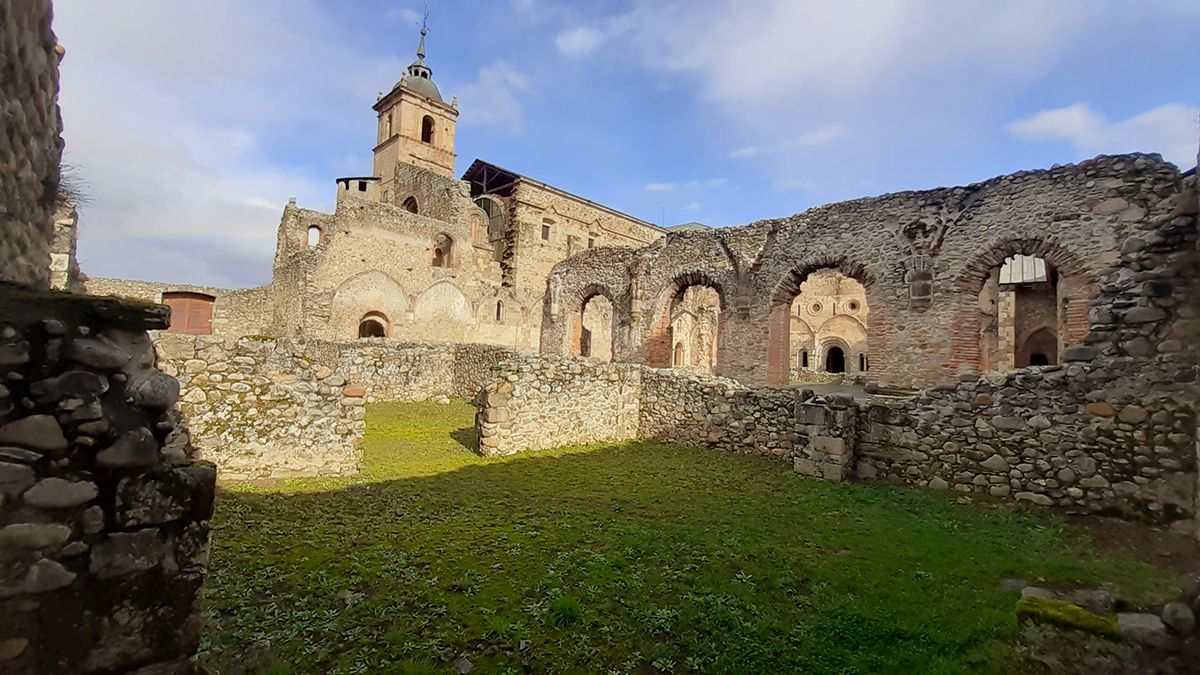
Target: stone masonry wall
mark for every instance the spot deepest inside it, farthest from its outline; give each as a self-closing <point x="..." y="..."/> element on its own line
<point x="1113" y="430"/>
<point x="104" y="525"/>
<point x="537" y="403"/>
<point x="261" y="408"/>
<point x="922" y="258"/>
<point x="31" y="146"/>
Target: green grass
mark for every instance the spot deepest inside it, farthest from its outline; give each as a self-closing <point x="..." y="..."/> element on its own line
<point x="631" y="558"/>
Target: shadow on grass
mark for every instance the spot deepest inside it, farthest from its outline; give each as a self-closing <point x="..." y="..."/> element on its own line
<point x="666" y="555"/>
<point x="466" y="438"/>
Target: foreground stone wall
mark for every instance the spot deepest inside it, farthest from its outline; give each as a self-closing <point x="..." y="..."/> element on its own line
<point x="262" y="408"/>
<point x="31" y="147"/>
<point x="104" y="525"/>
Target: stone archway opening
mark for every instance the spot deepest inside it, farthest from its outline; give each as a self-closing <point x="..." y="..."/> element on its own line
<point x="811" y="310"/>
<point x="593" y="329"/>
<point x="835" y="360"/>
<point x="373" y="325"/>
<point x="689" y="317"/>
<point x="1021" y="314"/>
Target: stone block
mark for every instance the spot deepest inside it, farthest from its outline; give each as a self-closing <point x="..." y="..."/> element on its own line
<point x="59" y="493"/>
<point x="125" y="553"/>
<point x="829" y="445"/>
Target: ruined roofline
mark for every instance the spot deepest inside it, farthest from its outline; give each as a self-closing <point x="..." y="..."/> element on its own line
<point x="561" y="192"/>
<point x="1056" y="171"/>
<point x="171" y="286"/>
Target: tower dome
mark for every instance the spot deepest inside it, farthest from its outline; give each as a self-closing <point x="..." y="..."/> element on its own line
<point x="419" y="76"/>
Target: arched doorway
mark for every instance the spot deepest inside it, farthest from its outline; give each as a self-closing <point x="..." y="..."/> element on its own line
<point x="593" y="329"/>
<point x="689" y="312"/>
<point x="373" y="325"/>
<point x="680" y="356"/>
<point x="1039" y="349"/>
<point x="810" y="309"/>
<point x="835" y="360"/>
<point x="1021" y="314"/>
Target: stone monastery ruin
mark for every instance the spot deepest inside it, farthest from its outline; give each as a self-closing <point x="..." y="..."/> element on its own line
<point x="1037" y="329"/>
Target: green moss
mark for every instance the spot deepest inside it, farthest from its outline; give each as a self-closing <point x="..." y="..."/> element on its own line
<point x="1066" y="614"/>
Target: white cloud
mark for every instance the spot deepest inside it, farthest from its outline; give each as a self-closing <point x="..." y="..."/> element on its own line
<point x="494" y="97"/>
<point x="692" y="206"/>
<point x="1171" y="130"/>
<point x="578" y="41"/>
<point x="405" y="15"/>
<point x="705" y="184"/>
<point x="812" y="139"/>
<point x="167" y="128"/>
<point x="900" y="73"/>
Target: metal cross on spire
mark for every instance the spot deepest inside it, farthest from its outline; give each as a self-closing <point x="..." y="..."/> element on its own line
<point x="424" y="30"/>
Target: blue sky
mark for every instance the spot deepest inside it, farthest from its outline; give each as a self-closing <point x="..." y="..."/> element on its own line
<point x="190" y="124"/>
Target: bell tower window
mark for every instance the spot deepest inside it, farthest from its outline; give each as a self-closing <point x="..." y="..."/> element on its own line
<point x="427" y="129"/>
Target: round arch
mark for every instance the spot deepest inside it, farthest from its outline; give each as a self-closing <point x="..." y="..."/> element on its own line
<point x="782" y="293"/>
<point x="575" y="335"/>
<point x="992" y="255"/>
<point x="659" y="344"/>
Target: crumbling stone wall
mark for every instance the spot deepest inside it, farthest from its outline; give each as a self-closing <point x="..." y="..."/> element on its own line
<point x="31" y="147"/>
<point x="266" y="408"/>
<point x="103" y="524"/>
<point x="1112" y="430"/>
<point x="922" y="258"/>
<point x="536" y="403"/>
<point x="235" y="312"/>
<point x="261" y="408"/>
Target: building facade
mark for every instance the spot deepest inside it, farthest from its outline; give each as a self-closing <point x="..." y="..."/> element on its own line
<point x="409" y="252"/>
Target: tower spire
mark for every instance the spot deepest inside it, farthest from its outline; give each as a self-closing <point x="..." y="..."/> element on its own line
<point x="424" y="31"/>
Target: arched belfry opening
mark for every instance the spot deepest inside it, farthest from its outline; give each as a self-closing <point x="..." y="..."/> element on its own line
<point x="427" y="128"/>
<point x="592" y="328"/>
<point x="818" y="325"/>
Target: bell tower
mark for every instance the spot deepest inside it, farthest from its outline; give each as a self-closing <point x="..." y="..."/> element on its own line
<point x="416" y="126"/>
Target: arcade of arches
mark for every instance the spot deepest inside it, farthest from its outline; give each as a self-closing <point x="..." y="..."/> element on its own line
<point x="914" y="288"/>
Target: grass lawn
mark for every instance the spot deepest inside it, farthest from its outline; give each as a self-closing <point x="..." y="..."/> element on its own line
<point x="631" y="558"/>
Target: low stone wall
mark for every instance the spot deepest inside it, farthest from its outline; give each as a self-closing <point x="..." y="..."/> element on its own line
<point x="539" y="402"/>
<point x="1059" y="435"/>
<point x="104" y="526"/>
<point x="264" y="408"/>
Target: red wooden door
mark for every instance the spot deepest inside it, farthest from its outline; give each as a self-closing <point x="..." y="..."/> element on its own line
<point x="191" y="313"/>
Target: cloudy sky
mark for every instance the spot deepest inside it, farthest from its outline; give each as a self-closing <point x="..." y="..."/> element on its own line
<point x="190" y="124"/>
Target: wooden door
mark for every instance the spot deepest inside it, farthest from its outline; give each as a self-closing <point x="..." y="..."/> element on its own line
<point x="191" y="313"/>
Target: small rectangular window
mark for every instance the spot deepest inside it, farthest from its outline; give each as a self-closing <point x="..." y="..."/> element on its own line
<point x="591" y="242"/>
<point x="362" y="186"/>
<point x="546" y="232"/>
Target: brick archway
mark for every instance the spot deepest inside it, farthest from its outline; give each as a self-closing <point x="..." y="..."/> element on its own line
<point x="574" y="337"/>
<point x="1075" y="287"/>
<point x="659" y="349"/>
<point x="779" y="321"/>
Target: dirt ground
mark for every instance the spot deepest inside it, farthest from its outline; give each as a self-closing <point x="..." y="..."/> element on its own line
<point x="1155" y="545"/>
